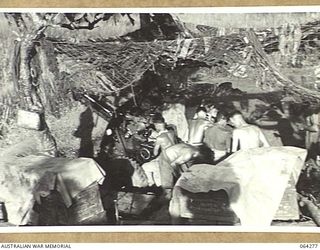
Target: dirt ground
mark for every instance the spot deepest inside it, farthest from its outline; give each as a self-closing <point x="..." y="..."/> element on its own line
<point x="61" y="128"/>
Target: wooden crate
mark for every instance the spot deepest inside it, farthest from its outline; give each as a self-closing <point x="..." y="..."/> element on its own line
<point x="212" y="208"/>
<point x="87" y="207"/>
<point x="288" y="208"/>
<point x="133" y="203"/>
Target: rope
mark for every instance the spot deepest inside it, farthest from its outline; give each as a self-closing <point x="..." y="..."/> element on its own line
<point x="16" y="64"/>
<point x="134" y="96"/>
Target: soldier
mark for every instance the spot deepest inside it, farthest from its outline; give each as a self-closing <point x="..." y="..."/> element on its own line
<point x="245" y="136"/>
<point x="165" y="139"/>
<point x="218" y="137"/>
<point x="197" y="126"/>
<point x="179" y="158"/>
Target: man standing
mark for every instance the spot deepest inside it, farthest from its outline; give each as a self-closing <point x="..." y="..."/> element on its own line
<point x="245" y="136"/>
<point x="312" y="132"/>
<point x="174" y="114"/>
<point x="197" y="126"/>
<point x="218" y="137"/>
<point x="165" y="139"/>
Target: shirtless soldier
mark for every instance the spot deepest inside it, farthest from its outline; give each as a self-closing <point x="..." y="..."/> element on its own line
<point x="218" y="137"/>
<point x="197" y="126"/>
<point x="245" y="136"/>
<point x="164" y="140"/>
<point x="173" y="161"/>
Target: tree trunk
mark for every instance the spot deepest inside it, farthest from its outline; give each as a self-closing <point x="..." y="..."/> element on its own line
<point x="25" y="79"/>
<point x="50" y="92"/>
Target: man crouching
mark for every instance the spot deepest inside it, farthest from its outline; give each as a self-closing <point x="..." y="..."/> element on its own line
<point x="173" y="162"/>
<point x="178" y="159"/>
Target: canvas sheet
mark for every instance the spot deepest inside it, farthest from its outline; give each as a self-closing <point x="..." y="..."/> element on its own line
<point x="24" y="179"/>
<point x="255" y="181"/>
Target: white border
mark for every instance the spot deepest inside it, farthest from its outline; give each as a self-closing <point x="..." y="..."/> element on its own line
<point x="184" y="228"/>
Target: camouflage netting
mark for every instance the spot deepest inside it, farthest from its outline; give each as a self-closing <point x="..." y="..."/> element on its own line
<point x="106" y="67"/>
<point x="110" y="67"/>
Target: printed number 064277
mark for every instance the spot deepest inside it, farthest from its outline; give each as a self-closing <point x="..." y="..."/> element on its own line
<point x="305" y="245"/>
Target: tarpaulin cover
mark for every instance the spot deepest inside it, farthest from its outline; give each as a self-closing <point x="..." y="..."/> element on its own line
<point x="255" y="181"/>
<point x="24" y="179"/>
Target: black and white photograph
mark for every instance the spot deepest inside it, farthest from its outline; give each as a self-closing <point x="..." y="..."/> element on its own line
<point x="160" y="118"/>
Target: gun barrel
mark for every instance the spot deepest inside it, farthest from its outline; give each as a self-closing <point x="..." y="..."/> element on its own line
<point x="110" y="113"/>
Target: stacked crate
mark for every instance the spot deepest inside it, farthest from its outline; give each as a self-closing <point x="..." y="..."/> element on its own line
<point x="207" y="208"/>
<point x="288" y="208"/>
<point x="87" y="207"/>
<point x="214" y="208"/>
